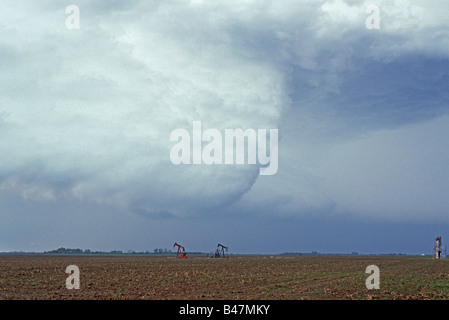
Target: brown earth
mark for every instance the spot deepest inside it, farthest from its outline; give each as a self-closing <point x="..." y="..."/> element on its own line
<point x="237" y="277"/>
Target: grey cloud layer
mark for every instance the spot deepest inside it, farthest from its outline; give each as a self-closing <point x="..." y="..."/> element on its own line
<point x="87" y="114"/>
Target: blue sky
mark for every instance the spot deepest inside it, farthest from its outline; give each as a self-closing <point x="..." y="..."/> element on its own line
<point x="362" y="114"/>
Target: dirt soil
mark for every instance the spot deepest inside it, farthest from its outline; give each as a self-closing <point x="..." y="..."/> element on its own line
<point x="237" y="277"/>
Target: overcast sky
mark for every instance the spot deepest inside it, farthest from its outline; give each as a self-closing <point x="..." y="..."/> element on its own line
<point x="86" y="116"/>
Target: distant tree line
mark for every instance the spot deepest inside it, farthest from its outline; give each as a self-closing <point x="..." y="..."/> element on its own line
<point x="63" y="250"/>
<point x="160" y="251"/>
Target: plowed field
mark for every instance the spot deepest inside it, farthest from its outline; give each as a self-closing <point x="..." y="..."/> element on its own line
<point x="236" y="277"/>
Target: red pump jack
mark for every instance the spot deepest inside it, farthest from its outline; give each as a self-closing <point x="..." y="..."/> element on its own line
<point x="181" y="251"/>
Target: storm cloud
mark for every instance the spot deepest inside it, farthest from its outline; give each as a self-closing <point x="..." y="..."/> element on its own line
<point x="86" y="115"/>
